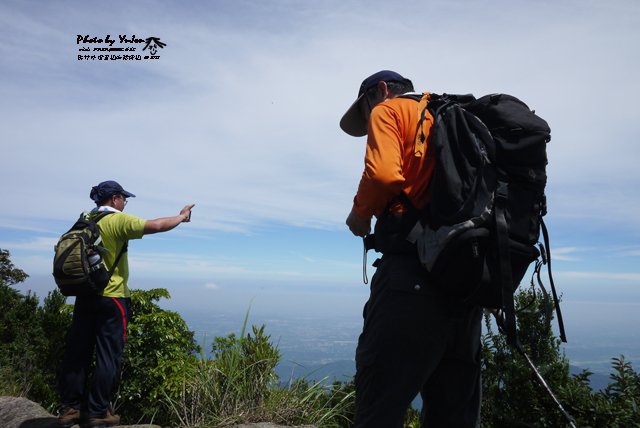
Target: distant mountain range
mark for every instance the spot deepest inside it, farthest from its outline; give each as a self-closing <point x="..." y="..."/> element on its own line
<point x="340" y="370"/>
<point x="343" y="370"/>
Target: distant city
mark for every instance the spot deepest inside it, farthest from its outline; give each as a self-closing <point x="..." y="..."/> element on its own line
<point x="324" y="348"/>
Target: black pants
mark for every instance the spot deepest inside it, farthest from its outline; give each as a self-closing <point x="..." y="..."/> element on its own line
<point x="99" y="324"/>
<point x="416" y="340"/>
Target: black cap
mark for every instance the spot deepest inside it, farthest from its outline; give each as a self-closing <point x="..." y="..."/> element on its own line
<point x="353" y="122"/>
<point x="107" y="189"/>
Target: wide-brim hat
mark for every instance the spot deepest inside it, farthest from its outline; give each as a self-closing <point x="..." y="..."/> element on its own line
<point x="353" y="122"/>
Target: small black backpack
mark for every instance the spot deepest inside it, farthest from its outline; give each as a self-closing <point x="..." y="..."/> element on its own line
<point x="78" y="268"/>
<point x="480" y="231"/>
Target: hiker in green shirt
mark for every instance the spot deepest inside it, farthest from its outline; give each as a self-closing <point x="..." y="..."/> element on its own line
<point x="100" y="321"/>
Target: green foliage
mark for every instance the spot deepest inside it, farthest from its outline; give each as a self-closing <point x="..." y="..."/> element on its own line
<point x="239" y="385"/>
<point x="162" y="379"/>
<point x="511" y="396"/>
<point x="412" y="418"/>
<point x="31" y="337"/>
<point x="246" y="369"/>
<point x="616" y="406"/>
<point x="342" y="401"/>
<point x="159" y="357"/>
<point x="305" y="402"/>
<point x="9" y="274"/>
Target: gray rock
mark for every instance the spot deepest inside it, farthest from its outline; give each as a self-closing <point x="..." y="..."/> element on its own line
<point x="19" y="412"/>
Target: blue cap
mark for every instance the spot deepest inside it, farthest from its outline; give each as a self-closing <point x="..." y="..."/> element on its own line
<point x="107" y="189"/>
<point x="353" y="121"/>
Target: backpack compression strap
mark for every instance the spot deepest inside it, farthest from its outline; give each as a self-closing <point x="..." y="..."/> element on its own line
<point x="556" y="301"/>
<point x="506" y="278"/>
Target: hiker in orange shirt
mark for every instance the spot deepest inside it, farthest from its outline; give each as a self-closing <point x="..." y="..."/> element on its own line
<point x="414" y="339"/>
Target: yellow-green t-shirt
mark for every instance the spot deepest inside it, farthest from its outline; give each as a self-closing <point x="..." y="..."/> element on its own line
<point x="116" y="230"/>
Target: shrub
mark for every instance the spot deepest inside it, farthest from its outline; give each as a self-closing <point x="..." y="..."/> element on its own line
<point x="31" y="337"/>
<point x="159" y="357"/>
<point x="511" y="396"/>
<point x="239" y="385"/>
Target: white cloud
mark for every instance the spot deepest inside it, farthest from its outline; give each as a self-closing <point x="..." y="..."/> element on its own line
<point x="37" y="244"/>
<point x="211" y="286"/>
<point x="183" y="264"/>
<point x="566" y="253"/>
<point x="609" y="276"/>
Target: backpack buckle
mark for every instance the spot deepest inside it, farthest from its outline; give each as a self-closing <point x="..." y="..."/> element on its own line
<point x="502" y="192"/>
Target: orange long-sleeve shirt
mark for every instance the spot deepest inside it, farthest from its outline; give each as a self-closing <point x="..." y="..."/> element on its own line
<point x="395" y="161"/>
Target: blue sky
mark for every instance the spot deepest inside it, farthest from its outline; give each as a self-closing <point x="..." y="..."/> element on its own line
<point x="240" y="116"/>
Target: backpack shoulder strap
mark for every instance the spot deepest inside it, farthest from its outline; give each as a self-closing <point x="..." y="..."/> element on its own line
<point x="419" y="145"/>
<point x="91" y="217"/>
<point x="91" y="221"/>
<point x="101" y="215"/>
<point x="115" y="264"/>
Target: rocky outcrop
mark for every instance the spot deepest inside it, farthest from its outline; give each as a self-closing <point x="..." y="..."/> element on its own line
<point x="18" y="412"/>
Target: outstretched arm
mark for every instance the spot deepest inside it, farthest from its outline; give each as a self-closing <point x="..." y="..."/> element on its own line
<point x="167" y="223"/>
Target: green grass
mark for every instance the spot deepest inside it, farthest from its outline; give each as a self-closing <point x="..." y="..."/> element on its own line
<point x="239" y="385"/>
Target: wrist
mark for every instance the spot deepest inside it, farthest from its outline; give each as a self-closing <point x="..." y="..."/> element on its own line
<point x="359" y="213"/>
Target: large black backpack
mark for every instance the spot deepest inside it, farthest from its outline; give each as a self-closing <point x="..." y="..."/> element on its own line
<point x="480" y="231"/>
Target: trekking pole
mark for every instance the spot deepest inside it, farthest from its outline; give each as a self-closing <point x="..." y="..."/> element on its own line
<point x="539" y="378"/>
<point x="542" y="382"/>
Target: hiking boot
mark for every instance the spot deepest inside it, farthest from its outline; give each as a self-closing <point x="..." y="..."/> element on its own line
<point x="68" y="416"/>
<point x="109" y="419"/>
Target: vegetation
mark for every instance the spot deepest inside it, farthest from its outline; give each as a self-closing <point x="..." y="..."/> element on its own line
<point x="507" y="377"/>
<point x="169" y="380"/>
<point x="159" y="358"/>
<point x="31" y="337"/>
<point x="166" y="378"/>
<point x="239" y="386"/>
<point x="513" y="398"/>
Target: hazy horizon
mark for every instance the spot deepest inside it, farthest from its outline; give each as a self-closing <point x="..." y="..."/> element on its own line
<point x="598" y="327"/>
